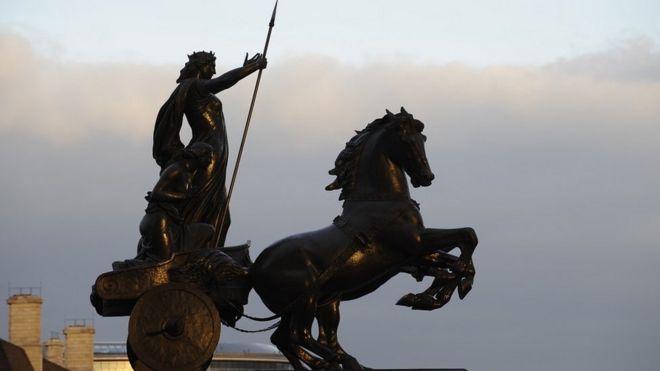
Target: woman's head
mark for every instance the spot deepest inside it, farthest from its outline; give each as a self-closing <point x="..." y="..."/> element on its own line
<point x="200" y="65"/>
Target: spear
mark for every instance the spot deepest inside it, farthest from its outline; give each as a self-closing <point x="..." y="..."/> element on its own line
<point x="271" y="24"/>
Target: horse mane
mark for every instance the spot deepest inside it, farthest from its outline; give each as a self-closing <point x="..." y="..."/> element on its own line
<point x="346" y="162"/>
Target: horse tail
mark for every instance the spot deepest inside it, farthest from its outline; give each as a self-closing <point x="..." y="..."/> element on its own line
<point x="247" y="287"/>
<point x="241" y="255"/>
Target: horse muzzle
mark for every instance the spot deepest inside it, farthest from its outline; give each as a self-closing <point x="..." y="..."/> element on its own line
<point x="423" y="180"/>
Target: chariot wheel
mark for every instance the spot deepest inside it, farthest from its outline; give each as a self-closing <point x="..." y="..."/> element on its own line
<point x="173" y="327"/>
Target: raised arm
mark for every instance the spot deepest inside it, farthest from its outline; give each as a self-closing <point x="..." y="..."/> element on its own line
<point x="228" y="79"/>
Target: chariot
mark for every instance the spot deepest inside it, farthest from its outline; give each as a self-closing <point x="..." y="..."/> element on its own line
<point x="176" y="307"/>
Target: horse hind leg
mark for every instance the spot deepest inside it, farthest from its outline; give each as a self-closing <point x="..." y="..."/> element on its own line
<point x="327" y="317"/>
<point x="295" y="354"/>
<point x="303" y="319"/>
<point x="281" y="340"/>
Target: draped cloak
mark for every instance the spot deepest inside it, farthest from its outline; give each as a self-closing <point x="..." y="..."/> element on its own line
<point x="209" y="196"/>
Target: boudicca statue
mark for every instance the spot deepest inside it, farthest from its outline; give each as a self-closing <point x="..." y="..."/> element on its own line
<point x="195" y="98"/>
<point x="184" y="283"/>
<point x="202" y="201"/>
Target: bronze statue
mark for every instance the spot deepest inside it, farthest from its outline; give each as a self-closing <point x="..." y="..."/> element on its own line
<point x="185" y="282"/>
<point x="301" y="278"/>
<point x="162" y="229"/>
<point x="195" y="98"/>
<point x="380" y="233"/>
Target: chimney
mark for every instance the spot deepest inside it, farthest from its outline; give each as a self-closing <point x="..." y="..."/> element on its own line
<point x="79" y="349"/>
<point x="55" y="349"/>
<point x="25" y="325"/>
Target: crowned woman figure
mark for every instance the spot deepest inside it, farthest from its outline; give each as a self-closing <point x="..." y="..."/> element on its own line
<point x="195" y="98"/>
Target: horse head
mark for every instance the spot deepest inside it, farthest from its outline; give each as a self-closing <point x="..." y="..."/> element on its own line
<point x="406" y="147"/>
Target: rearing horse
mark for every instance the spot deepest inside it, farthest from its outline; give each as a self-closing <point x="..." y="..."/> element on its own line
<point x="380" y="233"/>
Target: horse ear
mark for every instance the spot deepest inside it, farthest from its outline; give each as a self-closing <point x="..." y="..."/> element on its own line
<point x="388" y="112"/>
<point x="403" y="110"/>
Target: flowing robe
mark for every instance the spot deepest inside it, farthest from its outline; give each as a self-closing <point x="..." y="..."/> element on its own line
<point x="203" y="111"/>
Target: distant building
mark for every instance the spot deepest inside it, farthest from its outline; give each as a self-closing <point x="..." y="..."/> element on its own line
<point x="227" y="357"/>
<point x="14" y="358"/>
<point x="25" y="352"/>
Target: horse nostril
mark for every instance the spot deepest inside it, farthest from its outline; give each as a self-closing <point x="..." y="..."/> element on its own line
<point x="432" y="176"/>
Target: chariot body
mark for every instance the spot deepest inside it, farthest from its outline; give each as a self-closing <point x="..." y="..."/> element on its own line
<point x="176" y="306"/>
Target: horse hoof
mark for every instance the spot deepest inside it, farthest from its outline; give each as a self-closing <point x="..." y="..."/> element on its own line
<point x="420" y="302"/>
<point x="350" y="363"/>
<point x="328" y="367"/>
<point x="464" y="287"/>
<point x="406" y="300"/>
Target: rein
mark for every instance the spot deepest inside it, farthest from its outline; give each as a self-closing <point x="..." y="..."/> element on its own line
<point x="274" y="325"/>
<point x="363" y="238"/>
<point x="260" y="319"/>
<point x="392" y="196"/>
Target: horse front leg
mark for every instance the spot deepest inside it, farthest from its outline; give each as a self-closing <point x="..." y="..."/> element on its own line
<point x="465" y="239"/>
<point x="437" y="295"/>
<point x="449" y="272"/>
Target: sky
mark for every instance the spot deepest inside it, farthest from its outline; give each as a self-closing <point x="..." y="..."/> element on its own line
<point x="542" y="119"/>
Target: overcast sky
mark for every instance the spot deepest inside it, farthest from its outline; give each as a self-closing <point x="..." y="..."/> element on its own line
<point x="542" y="120"/>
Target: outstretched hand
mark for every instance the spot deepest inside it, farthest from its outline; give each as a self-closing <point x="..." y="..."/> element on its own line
<point x="257" y="59"/>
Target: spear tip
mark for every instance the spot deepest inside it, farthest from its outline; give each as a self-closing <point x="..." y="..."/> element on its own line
<point x="272" y="18"/>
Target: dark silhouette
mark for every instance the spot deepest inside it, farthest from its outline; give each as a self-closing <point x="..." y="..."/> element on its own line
<point x="195" y="98"/>
<point x="380" y="233"/>
<point x="301" y="278"/>
<point x="162" y="229"/>
<point x="184" y="282"/>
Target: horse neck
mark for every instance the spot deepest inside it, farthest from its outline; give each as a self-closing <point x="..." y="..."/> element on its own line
<point x="377" y="175"/>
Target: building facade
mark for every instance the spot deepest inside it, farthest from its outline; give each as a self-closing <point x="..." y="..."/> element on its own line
<point x="78" y="352"/>
<point x="111" y="356"/>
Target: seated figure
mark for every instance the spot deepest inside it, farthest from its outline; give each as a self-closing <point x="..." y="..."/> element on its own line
<point x="162" y="229"/>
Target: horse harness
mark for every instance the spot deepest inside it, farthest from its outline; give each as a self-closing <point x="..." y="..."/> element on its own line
<point x="359" y="238"/>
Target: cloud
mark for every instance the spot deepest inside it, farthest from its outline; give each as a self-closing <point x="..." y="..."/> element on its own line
<point x="632" y="60"/>
<point x="316" y="100"/>
<point x="555" y="166"/>
<point x="65" y="102"/>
